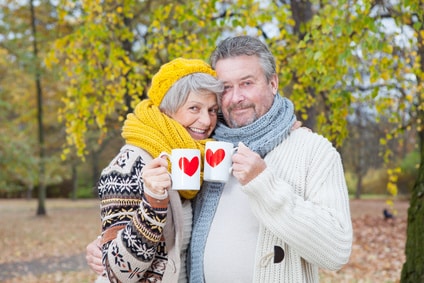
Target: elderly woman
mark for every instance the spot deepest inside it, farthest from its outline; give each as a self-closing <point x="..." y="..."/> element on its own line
<point x="145" y="226"/>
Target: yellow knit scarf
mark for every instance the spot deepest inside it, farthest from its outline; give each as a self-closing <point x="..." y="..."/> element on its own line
<point x="155" y="132"/>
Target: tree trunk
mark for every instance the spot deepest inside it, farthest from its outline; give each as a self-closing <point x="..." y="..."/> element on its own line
<point x="358" y="186"/>
<point x="74" y="179"/>
<point x="302" y="13"/>
<point x="413" y="268"/>
<point x="41" y="181"/>
<point x="29" y="191"/>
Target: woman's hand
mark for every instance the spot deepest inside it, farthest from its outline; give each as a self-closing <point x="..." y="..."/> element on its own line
<point x="156" y="177"/>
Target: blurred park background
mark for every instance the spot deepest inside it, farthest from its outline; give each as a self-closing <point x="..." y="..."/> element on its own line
<point x="70" y="71"/>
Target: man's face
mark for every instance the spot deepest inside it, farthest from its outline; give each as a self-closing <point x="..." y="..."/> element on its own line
<point x="247" y="95"/>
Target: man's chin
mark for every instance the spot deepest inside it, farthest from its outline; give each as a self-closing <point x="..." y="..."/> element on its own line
<point x="241" y="117"/>
<point x="239" y="123"/>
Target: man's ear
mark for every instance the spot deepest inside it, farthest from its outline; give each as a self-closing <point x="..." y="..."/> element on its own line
<point x="274" y="83"/>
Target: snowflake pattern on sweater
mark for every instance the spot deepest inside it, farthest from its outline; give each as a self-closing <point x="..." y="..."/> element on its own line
<point x="132" y="229"/>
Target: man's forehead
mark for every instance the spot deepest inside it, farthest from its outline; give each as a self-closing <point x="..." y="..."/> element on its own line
<point x="241" y="75"/>
<point x="238" y="68"/>
<point x="237" y="79"/>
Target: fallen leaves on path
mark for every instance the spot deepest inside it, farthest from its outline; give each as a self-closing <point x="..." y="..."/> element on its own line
<point x="377" y="251"/>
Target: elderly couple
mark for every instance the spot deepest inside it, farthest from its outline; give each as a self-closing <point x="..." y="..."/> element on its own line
<point x="283" y="214"/>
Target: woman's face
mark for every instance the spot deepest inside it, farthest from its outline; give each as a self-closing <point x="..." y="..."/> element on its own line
<point x="198" y="115"/>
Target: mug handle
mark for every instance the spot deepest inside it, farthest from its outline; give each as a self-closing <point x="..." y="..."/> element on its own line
<point x="164" y="153"/>
<point x="167" y="155"/>
<point x="233" y="151"/>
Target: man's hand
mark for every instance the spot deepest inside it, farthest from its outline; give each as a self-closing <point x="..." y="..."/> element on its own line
<point x="247" y="164"/>
<point x="93" y="256"/>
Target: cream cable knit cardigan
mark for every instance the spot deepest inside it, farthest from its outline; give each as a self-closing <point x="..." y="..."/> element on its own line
<point x="301" y="202"/>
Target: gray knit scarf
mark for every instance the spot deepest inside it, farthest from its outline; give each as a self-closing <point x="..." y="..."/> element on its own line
<point x="261" y="136"/>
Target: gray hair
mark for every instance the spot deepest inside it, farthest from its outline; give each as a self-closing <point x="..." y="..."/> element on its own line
<point x="199" y="83"/>
<point x="245" y="45"/>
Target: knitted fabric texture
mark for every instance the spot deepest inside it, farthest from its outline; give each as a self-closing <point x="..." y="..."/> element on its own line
<point x="146" y="233"/>
<point x="127" y="215"/>
<point x="155" y="132"/>
<point x="261" y="136"/>
<point x="173" y="71"/>
<point x="265" y="133"/>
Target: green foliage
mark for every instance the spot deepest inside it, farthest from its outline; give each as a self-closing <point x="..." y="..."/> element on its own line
<point x="409" y="172"/>
<point x="85" y="193"/>
<point x="350" y="182"/>
<point x="336" y="56"/>
<point x="18" y="161"/>
<point x="105" y="60"/>
<point x="19" y="140"/>
<point x="107" y="52"/>
<point x="375" y="181"/>
<point x="411" y="162"/>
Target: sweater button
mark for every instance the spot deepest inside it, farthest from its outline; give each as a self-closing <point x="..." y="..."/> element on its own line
<point x="278" y="254"/>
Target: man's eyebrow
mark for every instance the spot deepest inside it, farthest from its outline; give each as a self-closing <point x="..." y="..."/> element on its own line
<point x="241" y="79"/>
<point x="247" y="77"/>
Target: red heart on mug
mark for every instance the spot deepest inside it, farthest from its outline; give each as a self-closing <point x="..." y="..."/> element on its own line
<point x="189" y="167"/>
<point x="214" y="158"/>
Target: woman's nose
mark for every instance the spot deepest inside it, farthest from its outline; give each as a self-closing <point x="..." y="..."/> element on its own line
<point x="204" y="118"/>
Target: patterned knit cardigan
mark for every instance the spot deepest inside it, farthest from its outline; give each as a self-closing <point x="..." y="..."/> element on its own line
<point x="134" y="231"/>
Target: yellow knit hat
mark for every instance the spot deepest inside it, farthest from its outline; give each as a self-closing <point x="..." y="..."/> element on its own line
<point x="171" y="72"/>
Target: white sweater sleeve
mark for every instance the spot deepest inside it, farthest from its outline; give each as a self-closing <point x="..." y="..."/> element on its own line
<point x="302" y="198"/>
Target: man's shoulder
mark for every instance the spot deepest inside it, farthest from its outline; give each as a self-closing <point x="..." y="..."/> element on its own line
<point x="308" y="135"/>
<point x="304" y="139"/>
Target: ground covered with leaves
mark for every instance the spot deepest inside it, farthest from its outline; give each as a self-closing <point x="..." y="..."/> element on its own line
<point x="378" y="244"/>
<point x="51" y="249"/>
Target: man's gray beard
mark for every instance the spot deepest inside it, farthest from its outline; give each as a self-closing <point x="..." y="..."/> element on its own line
<point x="233" y="124"/>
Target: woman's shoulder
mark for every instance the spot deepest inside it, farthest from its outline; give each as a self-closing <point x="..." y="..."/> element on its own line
<point x="132" y="151"/>
<point x="127" y="158"/>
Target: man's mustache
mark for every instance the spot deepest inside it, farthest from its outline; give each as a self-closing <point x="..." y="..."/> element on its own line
<point x="240" y="106"/>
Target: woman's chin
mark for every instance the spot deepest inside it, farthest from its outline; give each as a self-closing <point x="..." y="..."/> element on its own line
<point x="198" y="136"/>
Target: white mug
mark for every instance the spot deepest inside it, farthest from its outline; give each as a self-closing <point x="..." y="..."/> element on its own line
<point x="185" y="168"/>
<point x="218" y="163"/>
